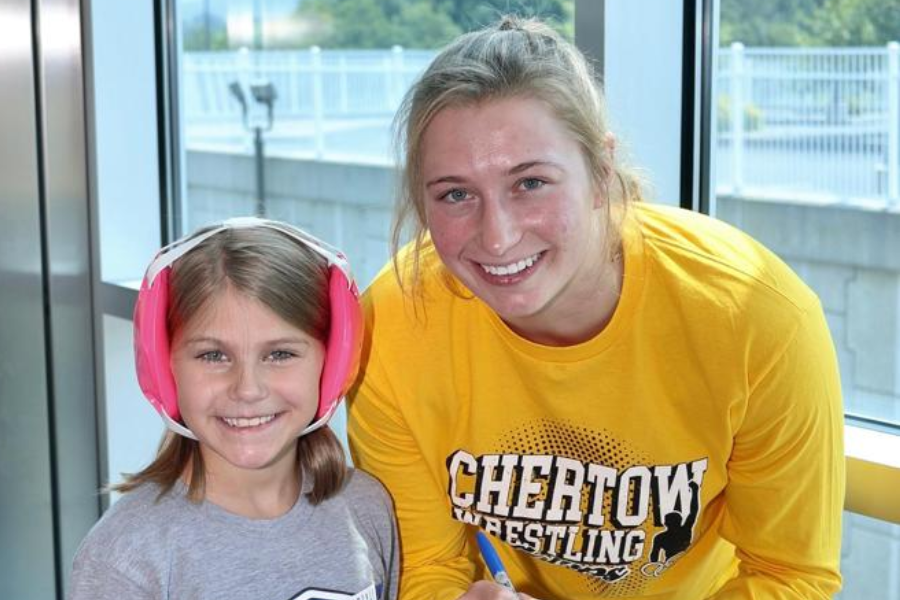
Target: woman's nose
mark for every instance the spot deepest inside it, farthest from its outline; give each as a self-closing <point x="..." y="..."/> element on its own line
<point x="500" y="227"/>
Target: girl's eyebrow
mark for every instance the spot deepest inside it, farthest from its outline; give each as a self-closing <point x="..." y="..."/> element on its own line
<point x="205" y="339"/>
<point x="288" y="340"/>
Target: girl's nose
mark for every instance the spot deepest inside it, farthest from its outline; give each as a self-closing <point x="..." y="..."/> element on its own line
<point x="249" y="384"/>
<point x="500" y="227"/>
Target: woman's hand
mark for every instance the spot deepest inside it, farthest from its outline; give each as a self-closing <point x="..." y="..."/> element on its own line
<point x="488" y="590"/>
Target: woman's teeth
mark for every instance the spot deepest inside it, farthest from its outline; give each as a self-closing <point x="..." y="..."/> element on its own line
<point x="252" y="422"/>
<point x="512" y="268"/>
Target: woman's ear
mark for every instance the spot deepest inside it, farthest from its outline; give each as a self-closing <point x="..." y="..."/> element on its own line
<point x="600" y="190"/>
<point x="609" y="150"/>
<point x="609" y="145"/>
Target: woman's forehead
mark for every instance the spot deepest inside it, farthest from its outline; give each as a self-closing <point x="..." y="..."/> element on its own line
<point x="501" y="134"/>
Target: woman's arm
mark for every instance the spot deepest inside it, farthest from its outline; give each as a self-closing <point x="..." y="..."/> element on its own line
<point x="435" y="563"/>
<point x="785" y="493"/>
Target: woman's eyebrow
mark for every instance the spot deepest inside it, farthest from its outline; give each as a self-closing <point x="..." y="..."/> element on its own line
<point x="445" y="179"/>
<point x="534" y="163"/>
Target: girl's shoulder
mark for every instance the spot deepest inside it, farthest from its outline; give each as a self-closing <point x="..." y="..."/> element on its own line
<point x="366" y="497"/>
<point x="136" y="520"/>
<point x="360" y="482"/>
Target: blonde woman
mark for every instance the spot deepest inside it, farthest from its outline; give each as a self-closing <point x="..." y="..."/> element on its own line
<point x="634" y="401"/>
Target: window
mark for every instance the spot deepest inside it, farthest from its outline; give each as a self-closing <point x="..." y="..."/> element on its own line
<point x="277" y="108"/>
<point x="805" y="149"/>
<point x="295" y="102"/>
<point x="804" y="145"/>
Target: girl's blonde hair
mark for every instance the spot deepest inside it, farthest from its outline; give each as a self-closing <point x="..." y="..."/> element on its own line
<point x="514" y="58"/>
<point x="290" y="280"/>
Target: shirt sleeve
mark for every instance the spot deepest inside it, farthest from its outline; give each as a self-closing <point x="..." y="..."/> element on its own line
<point x="435" y="563"/>
<point x="786" y="474"/>
<point x="96" y="580"/>
<point x="388" y="544"/>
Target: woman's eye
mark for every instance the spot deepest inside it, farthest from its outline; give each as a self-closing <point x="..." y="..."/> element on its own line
<point x="532" y="183"/>
<point x="455" y="195"/>
<point x="281" y="355"/>
<point x="213" y="356"/>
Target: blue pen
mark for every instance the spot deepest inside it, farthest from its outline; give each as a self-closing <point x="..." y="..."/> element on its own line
<point x="492" y="560"/>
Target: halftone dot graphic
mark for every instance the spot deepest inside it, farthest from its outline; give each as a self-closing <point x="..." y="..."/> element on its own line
<point x="544" y="437"/>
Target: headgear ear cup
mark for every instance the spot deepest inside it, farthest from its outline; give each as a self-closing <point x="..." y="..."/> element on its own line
<point x="151" y="345"/>
<point x="344" y="342"/>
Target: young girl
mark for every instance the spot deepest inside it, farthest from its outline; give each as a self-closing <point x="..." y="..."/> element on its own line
<point x="247" y="335"/>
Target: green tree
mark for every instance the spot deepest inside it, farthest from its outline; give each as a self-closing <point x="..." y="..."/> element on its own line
<point x="473" y="14"/>
<point x="347" y="24"/>
<point x="766" y="22"/>
<point x="855" y="23"/>
<point x="417" y="23"/>
<point x="809" y="22"/>
<point x="202" y="34"/>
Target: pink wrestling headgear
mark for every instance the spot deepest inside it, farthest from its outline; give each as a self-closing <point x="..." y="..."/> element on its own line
<point x="151" y="338"/>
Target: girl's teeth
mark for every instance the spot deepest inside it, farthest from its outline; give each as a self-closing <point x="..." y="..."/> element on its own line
<point x="251" y="422"/>
<point x="510" y="269"/>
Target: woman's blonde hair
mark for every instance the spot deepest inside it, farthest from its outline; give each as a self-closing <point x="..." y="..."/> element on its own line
<point x="514" y="58"/>
<point x="290" y="280"/>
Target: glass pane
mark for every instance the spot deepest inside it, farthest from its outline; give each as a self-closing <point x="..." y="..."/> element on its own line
<point x="287" y="106"/>
<point x="126" y="177"/>
<point x="133" y="430"/>
<point x="870" y="559"/>
<point x="806" y="160"/>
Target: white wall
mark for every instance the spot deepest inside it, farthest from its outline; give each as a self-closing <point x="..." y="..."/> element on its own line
<point x="642" y="77"/>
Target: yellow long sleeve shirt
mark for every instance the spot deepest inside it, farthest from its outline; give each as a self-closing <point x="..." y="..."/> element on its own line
<point x="692" y="449"/>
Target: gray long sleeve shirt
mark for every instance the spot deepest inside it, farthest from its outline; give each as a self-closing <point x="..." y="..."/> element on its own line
<point x="345" y="548"/>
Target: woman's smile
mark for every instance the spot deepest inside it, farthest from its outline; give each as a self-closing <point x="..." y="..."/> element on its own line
<point x="512" y="272"/>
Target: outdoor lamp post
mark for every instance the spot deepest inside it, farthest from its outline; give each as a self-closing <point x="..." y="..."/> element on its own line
<point x="263" y="94"/>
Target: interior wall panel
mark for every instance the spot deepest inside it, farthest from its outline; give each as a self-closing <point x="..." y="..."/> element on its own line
<point x="67" y="235"/>
<point x="27" y="569"/>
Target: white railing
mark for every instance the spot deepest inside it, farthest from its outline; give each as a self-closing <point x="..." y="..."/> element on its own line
<point x="822" y="123"/>
<point x="329" y="102"/>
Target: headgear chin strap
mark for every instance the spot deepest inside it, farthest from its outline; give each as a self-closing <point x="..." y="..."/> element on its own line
<point x="151" y="337"/>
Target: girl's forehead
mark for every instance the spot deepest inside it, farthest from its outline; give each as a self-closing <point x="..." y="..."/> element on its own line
<point x="230" y="310"/>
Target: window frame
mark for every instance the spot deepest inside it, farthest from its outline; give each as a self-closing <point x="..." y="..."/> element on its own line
<point x="873" y="456"/>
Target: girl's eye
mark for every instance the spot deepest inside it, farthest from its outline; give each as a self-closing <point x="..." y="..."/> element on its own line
<point x="532" y="183"/>
<point x="213" y="356"/>
<point x="281" y="355"/>
<point x="455" y="195"/>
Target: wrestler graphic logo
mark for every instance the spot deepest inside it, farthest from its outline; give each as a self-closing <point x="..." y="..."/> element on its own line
<point x="675" y="538"/>
<point x="373" y="592"/>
